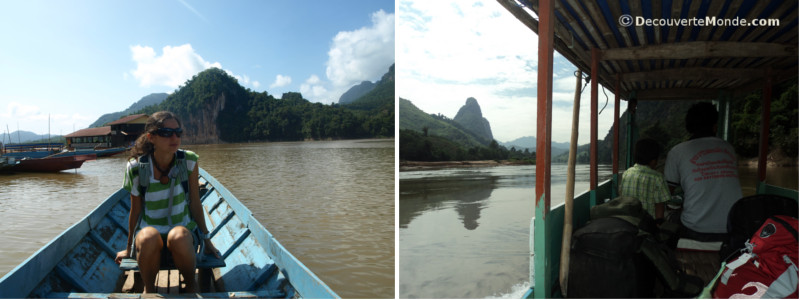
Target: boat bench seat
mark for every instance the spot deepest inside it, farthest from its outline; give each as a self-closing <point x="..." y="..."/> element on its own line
<point x="209" y="261"/>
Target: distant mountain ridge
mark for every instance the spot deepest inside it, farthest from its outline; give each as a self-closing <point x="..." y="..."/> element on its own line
<point x="21" y="136"/>
<point x="529" y="142"/>
<point x="152" y="99"/>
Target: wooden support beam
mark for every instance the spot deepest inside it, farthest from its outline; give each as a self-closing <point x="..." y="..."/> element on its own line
<point x="545" y="102"/>
<point x="777" y="76"/>
<point x="520" y="14"/>
<point x="593" y="128"/>
<point x="691" y="50"/>
<point x="615" y="152"/>
<point x="544" y="88"/>
<point x="629" y="138"/>
<point x="763" y="144"/>
<point x="678" y="94"/>
<point x="697" y="73"/>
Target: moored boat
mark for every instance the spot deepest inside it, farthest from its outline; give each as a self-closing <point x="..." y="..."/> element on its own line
<point x="49" y="164"/>
<point x="79" y="263"/>
<point x="37" y="150"/>
<point x="101" y="152"/>
<point x="42" y="153"/>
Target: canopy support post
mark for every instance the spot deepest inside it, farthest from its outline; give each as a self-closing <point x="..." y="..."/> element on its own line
<point x="763" y="145"/>
<point x="593" y="131"/>
<point x="544" y="89"/>
<point x="615" y="151"/>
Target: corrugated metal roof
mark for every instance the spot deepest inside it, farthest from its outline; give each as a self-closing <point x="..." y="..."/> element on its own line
<point x="98" y="131"/>
<point x="687" y="59"/>
<point x="127" y="119"/>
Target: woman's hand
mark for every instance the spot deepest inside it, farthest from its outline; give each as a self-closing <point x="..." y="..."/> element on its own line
<point x="210" y="249"/>
<point x="120" y="255"/>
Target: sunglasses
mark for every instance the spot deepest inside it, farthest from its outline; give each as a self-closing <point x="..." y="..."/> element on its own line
<point x="168" y="132"/>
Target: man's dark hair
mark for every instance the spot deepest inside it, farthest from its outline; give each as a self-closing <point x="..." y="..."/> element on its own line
<point x="646" y="150"/>
<point x="701" y="118"/>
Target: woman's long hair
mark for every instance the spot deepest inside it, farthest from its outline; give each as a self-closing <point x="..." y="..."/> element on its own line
<point x="143" y="145"/>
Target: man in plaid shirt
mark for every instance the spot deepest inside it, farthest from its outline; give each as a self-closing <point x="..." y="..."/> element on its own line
<point x="643" y="182"/>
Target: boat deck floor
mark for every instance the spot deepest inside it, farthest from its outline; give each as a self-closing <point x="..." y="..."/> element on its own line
<point x="167" y="282"/>
<point x="703" y="264"/>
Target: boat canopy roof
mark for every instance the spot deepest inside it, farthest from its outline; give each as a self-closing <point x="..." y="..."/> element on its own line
<point x="675" y="50"/>
<point x="97" y="131"/>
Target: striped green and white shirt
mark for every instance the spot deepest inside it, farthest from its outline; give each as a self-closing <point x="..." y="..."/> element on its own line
<point x="156" y="208"/>
<point x="645" y="184"/>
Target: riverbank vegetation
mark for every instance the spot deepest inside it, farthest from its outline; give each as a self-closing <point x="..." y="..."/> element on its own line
<point x="419" y="146"/>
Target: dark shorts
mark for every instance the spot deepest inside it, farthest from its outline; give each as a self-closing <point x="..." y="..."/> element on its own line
<point x="166" y="255"/>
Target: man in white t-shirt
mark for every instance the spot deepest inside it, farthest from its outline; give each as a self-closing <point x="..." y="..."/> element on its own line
<point x="705" y="168"/>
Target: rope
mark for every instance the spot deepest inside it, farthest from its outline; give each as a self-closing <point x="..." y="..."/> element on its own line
<point x="586" y="79"/>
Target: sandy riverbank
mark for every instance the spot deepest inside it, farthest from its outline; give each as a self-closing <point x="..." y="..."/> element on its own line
<point x="434" y="165"/>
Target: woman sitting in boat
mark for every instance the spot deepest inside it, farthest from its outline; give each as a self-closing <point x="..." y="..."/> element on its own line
<point x="162" y="206"/>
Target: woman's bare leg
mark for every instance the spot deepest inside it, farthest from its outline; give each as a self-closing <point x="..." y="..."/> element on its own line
<point x="179" y="242"/>
<point x="149" y="245"/>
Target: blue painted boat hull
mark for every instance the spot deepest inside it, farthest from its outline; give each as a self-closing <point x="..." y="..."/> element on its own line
<point x="43" y="154"/>
<point x="98" y="152"/>
<point x="79" y="263"/>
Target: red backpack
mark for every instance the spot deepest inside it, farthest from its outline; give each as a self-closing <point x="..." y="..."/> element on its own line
<point x="767" y="268"/>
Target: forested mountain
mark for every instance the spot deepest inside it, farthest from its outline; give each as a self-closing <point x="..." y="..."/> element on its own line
<point x="356" y="92"/>
<point x="214" y="108"/>
<point x="412" y="118"/>
<point x="381" y="96"/>
<point x="146" y="101"/>
<point x="471" y="118"/>
<point x="429" y="137"/>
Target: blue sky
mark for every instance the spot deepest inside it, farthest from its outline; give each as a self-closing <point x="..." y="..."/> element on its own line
<point x="448" y="51"/>
<point x="77" y="60"/>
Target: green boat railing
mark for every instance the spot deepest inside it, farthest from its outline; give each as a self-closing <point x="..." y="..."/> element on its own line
<point x="546" y="238"/>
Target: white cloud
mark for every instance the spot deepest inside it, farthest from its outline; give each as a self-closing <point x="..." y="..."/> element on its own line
<point x="314" y="79"/>
<point x="364" y="54"/>
<point x="243" y="79"/>
<point x="175" y="65"/>
<point x="30" y="117"/>
<point x="313" y="88"/>
<point x="20" y="110"/>
<point x="281" y="81"/>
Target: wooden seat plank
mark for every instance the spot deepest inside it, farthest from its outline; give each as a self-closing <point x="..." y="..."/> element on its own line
<point x="209" y="261"/>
